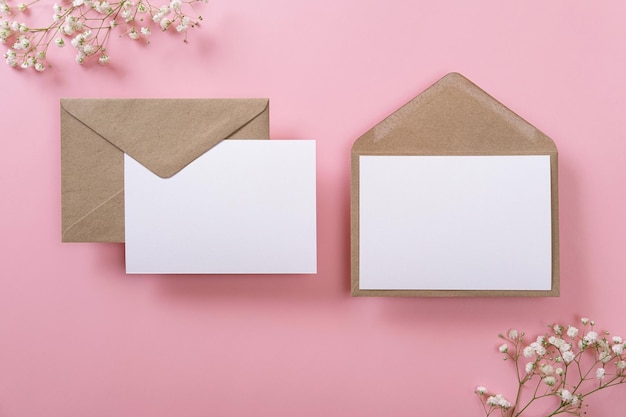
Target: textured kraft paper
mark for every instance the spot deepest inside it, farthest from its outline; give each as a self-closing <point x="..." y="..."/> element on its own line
<point x="164" y="135"/>
<point x="453" y="117"/>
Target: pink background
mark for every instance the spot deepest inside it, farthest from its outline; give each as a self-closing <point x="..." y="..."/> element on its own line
<point x="80" y="338"/>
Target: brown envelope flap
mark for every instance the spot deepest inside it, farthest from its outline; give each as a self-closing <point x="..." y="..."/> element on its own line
<point x="454" y="116"/>
<point x="165" y="135"/>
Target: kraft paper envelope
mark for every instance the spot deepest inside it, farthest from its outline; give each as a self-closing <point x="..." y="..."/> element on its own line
<point x="454" y="117"/>
<point x="164" y="135"/>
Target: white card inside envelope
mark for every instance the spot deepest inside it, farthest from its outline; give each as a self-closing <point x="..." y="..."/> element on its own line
<point x="455" y="222"/>
<point x="245" y="206"/>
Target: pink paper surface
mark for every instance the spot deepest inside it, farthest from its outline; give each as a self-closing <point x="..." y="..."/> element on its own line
<point x="78" y="337"/>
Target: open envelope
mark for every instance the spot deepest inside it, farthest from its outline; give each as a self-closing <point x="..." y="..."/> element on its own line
<point x="164" y="135"/>
<point x="452" y="118"/>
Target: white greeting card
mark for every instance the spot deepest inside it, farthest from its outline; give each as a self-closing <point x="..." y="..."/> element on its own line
<point x="455" y="222"/>
<point x="244" y="207"/>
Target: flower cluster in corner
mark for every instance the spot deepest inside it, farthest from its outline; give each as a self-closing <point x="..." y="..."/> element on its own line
<point x="87" y="26"/>
<point x="558" y="370"/>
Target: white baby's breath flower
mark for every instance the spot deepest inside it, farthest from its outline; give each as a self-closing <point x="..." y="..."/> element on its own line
<point x="504" y="348"/>
<point x="5" y="9"/>
<point x="165" y="23"/>
<point x="60" y="42"/>
<point x="604" y="356"/>
<point x="559" y="371"/>
<point x="80" y="58"/>
<point x="89" y="49"/>
<point x="513" y="334"/>
<point x="498" y="400"/>
<point x="584" y="321"/>
<point x="591" y="337"/>
<point x="57" y="8"/>
<point x="572" y="331"/>
<point x="618" y="349"/>
<point x="559" y="343"/>
<point x="530" y="366"/>
<point x="40" y="67"/>
<point x="480" y="390"/>
<point x="600" y="373"/>
<point x="145" y="31"/>
<point x="78" y="3"/>
<point x="103" y="7"/>
<point x="67" y="30"/>
<point x="538" y="347"/>
<point x="549" y="380"/>
<point x="22" y="43"/>
<point x="558" y="329"/>
<point x="142" y="8"/>
<point x="621" y="365"/>
<point x="22" y="7"/>
<point x="528" y="351"/>
<point x="504" y="404"/>
<point x="184" y="24"/>
<point x="103" y="60"/>
<point x="546" y="369"/>
<point x="127" y="15"/>
<point x="617" y="339"/>
<point x="77" y="41"/>
<point x="566" y="396"/>
<point x="568" y="356"/>
<point x="176" y="4"/>
<point x="4" y="35"/>
<point x="11" y="58"/>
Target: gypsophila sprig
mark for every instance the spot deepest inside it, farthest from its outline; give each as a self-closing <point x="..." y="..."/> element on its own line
<point x="87" y="26"/>
<point x="557" y="370"/>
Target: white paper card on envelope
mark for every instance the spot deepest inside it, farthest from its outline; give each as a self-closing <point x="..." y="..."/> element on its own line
<point x="244" y="207"/>
<point x="455" y="222"/>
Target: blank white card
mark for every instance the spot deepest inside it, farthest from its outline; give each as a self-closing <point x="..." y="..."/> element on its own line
<point x="245" y="206"/>
<point x="455" y="222"/>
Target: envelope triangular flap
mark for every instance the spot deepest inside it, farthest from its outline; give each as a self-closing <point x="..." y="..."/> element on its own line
<point x="165" y="135"/>
<point x="453" y="117"/>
